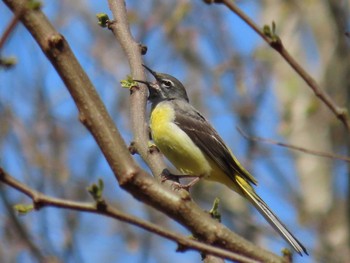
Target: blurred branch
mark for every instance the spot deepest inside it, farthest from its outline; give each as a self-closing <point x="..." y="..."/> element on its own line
<point x="93" y="114"/>
<point x="293" y="147"/>
<point x="21" y="229"/>
<point x="9" y="29"/>
<point x="41" y="200"/>
<point x="276" y="43"/>
<point x="8" y="62"/>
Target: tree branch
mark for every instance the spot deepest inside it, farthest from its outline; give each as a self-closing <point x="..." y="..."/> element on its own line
<point x="293" y="147"/>
<point x="22" y="230"/>
<point x="41" y="200"/>
<point x="138" y="97"/>
<point x="93" y="115"/>
<point x="276" y="43"/>
<point x="9" y="29"/>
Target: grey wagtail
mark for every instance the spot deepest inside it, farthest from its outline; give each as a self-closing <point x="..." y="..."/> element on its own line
<point x="194" y="147"/>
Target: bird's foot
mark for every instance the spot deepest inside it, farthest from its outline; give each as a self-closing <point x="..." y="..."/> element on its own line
<point x="179" y="186"/>
<point x="166" y="175"/>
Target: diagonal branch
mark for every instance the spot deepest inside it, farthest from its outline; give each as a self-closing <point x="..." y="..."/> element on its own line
<point x="276" y="43"/>
<point x="41" y="200"/>
<point x="9" y="29"/>
<point x="93" y="114"/>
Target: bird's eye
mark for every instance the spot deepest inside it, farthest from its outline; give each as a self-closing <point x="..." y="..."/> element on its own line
<point x="167" y="83"/>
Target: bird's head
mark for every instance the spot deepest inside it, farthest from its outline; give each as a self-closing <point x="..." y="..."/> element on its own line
<point x="166" y="87"/>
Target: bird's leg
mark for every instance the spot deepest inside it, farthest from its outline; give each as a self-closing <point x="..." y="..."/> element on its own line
<point x="187" y="186"/>
<point x="166" y="175"/>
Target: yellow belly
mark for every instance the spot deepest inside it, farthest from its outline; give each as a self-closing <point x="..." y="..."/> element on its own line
<point x="175" y="144"/>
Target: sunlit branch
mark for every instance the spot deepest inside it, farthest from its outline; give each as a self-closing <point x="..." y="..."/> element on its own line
<point x="138" y="97"/>
<point x="93" y="114"/>
<point x="41" y="200"/>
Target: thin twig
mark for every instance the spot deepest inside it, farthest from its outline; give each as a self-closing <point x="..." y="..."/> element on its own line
<point x="131" y="177"/>
<point x="339" y="112"/>
<point x="41" y="200"/>
<point x="9" y="29"/>
<point x="21" y="229"/>
<point x="294" y="147"/>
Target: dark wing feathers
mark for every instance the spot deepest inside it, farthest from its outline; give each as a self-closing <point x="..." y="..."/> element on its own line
<point x="208" y="140"/>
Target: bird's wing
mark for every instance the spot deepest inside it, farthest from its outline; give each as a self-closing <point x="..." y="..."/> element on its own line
<point x="209" y="141"/>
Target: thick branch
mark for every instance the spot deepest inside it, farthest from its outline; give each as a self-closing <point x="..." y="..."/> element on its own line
<point x="41" y="200"/>
<point x="95" y="117"/>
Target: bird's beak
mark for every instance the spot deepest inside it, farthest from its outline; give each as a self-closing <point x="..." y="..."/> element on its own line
<point x="150" y="71"/>
<point x="155" y="75"/>
<point x="150" y="85"/>
<point x="143" y="82"/>
<point x="153" y="88"/>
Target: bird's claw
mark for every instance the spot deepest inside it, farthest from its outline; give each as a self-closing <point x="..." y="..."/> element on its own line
<point x="178" y="186"/>
<point x="166" y="175"/>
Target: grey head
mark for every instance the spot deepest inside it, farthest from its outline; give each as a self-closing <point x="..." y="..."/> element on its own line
<point x="166" y="87"/>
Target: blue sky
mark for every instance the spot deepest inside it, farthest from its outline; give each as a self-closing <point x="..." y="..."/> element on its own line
<point x="96" y="240"/>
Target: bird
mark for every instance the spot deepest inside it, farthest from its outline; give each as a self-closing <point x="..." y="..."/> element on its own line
<point x="193" y="146"/>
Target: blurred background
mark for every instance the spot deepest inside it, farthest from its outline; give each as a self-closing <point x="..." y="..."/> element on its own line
<point x="232" y="77"/>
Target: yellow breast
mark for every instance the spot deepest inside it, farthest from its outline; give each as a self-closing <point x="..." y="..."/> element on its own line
<point x="162" y="115"/>
<point x="175" y="144"/>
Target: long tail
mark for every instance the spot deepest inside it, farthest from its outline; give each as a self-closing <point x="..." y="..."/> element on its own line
<point x="265" y="211"/>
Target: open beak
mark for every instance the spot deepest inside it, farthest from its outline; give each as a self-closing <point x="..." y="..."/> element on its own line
<point x="155" y="75"/>
<point x="143" y="82"/>
<point x="150" y="71"/>
<point x="151" y="86"/>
